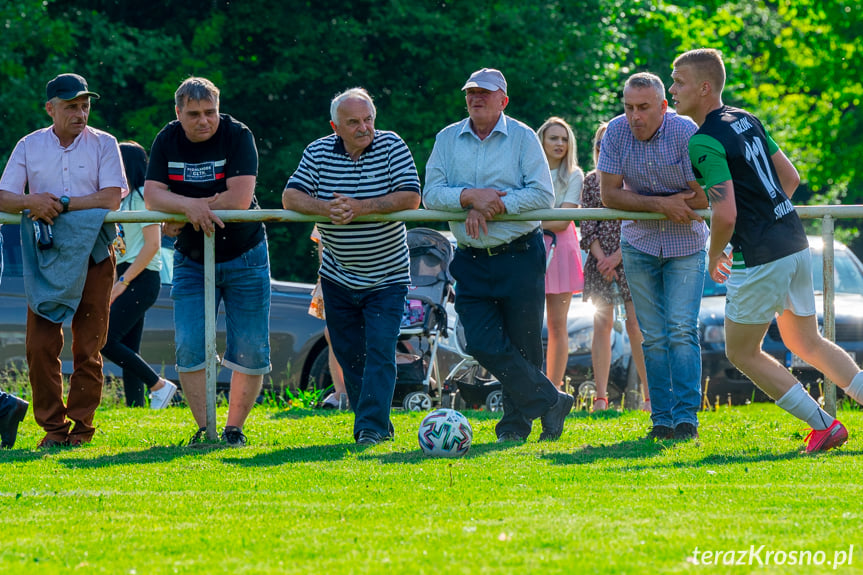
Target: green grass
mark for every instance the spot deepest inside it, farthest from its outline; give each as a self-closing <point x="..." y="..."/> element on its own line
<point x="302" y="498"/>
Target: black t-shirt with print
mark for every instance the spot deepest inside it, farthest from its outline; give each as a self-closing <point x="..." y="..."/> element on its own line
<point x="200" y="170"/>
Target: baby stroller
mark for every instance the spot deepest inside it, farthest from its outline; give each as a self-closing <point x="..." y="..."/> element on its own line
<point x="427" y="329"/>
<point x="425" y="320"/>
<point x="468" y="384"/>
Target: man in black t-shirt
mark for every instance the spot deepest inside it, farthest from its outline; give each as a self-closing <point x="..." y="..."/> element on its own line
<point x="749" y="182"/>
<point x="205" y="161"/>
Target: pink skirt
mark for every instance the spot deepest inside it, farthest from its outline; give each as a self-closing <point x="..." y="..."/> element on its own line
<point x="564" y="273"/>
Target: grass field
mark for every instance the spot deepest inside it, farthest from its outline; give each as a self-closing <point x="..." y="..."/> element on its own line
<point x="302" y="498"/>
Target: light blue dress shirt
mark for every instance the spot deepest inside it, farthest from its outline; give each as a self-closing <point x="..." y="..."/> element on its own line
<point x="510" y="159"/>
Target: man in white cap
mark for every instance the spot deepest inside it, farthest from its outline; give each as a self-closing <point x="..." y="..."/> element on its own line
<point x="483" y="166"/>
<point x="72" y="173"/>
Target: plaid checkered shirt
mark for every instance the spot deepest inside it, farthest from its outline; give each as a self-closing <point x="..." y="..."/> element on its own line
<point x="659" y="166"/>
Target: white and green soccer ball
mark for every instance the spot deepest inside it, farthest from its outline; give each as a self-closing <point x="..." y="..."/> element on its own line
<point x="445" y="433"/>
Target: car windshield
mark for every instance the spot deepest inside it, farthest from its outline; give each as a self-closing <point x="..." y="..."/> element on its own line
<point x="847" y="274"/>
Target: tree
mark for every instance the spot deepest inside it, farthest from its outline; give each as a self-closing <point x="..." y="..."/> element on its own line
<point x="278" y="64"/>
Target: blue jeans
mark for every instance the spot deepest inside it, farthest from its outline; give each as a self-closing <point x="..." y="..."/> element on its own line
<point x="666" y="293"/>
<point x="364" y="330"/>
<point x="244" y="284"/>
<point x="500" y="301"/>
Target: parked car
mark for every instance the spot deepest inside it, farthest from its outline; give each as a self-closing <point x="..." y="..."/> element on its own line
<point x="721" y="378"/>
<point x="622" y="378"/>
<point x="298" y="347"/>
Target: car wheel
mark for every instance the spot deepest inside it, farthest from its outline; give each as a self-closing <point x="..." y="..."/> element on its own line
<point x="587" y="391"/>
<point x="319" y="373"/>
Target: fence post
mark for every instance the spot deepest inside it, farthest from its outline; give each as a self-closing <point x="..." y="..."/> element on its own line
<point x="829" y="312"/>
<point x="210" y="331"/>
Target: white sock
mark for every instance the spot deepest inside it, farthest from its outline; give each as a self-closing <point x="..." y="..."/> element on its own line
<point x="801" y="405"/>
<point x="855" y="388"/>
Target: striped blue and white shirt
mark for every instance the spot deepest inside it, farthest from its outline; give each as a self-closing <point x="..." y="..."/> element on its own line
<point x="360" y="255"/>
<point x="656" y="167"/>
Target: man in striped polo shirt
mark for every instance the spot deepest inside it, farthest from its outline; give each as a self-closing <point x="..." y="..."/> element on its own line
<point x="365" y="266"/>
<point x="643" y="167"/>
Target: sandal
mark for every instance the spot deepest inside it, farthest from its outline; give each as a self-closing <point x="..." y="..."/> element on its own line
<point x="598" y="399"/>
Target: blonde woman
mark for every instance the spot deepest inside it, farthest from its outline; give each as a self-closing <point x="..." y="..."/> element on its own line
<point x="604" y="266"/>
<point x="564" y="275"/>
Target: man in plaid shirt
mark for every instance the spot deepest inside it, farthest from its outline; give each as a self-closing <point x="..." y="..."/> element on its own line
<point x="644" y="167"/>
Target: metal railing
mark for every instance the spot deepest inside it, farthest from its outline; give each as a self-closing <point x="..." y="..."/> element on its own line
<point x="826" y="213"/>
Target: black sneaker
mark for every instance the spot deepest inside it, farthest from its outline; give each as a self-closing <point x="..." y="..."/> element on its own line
<point x="552" y="421"/>
<point x="660" y="432"/>
<point x="233" y="436"/>
<point x="510" y="437"/>
<point x="9" y="424"/>
<point x="369" y="437"/>
<point x="685" y="431"/>
<point x="199" y="437"/>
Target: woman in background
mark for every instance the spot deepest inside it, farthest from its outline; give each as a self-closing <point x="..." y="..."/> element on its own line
<point x="564" y="275"/>
<point x="603" y="267"/>
<point x="338" y="399"/>
<point x="135" y="291"/>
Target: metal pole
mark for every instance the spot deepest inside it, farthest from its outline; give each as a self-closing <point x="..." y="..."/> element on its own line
<point x="210" y="331"/>
<point x="829" y="312"/>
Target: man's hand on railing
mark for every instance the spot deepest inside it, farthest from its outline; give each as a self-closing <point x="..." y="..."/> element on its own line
<point x="677" y="210"/>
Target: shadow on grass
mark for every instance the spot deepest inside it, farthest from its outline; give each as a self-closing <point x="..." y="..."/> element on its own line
<point x="339" y="451"/>
<point x="155" y="454"/>
<point x="302" y="413"/>
<point x="632" y="449"/>
<point x="642" y="449"/>
<point x="299" y="454"/>
<point x="417" y="456"/>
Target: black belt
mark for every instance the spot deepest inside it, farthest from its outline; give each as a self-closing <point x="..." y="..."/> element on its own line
<point x="519" y="244"/>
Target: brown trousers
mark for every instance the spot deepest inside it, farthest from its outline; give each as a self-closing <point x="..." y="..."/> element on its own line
<point x="44" y="344"/>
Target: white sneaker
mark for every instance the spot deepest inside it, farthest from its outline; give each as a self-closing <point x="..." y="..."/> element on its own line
<point x="161" y="398"/>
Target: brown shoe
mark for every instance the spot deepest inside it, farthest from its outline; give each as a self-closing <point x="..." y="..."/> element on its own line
<point x="48" y="443"/>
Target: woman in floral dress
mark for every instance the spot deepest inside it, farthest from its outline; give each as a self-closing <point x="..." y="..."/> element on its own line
<point x="602" y="269"/>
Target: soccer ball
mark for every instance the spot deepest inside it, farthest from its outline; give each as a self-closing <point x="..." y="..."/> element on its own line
<point x="445" y="433"/>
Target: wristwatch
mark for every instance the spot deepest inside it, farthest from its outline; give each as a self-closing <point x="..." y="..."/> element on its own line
<point x="64" y="201"/>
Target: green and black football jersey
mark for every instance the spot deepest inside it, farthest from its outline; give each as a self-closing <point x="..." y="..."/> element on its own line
<point x="732" y="144"/>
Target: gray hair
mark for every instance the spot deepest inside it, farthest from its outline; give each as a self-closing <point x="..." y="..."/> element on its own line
<point x="358" y="93"/>
<point x="646" y="80"/>
<point x="196" y="89"/>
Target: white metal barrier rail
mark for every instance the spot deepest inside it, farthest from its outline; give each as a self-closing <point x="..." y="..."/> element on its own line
<point x="826" y="213"/>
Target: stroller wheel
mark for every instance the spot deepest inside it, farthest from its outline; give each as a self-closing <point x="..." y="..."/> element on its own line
<point x="417" y="401"/>
<point x="494" y="401"/>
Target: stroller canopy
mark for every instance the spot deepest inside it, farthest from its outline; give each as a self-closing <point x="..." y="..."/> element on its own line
<point x="431" y="254"/>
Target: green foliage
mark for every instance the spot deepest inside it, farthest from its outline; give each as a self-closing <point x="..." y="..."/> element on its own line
<point x="33" y="45"/>
<point x="278" y="64"/>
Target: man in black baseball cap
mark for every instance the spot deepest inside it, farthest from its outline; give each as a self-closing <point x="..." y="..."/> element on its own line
<point x="68" y="87"/>
<point x="67" y="175"/>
